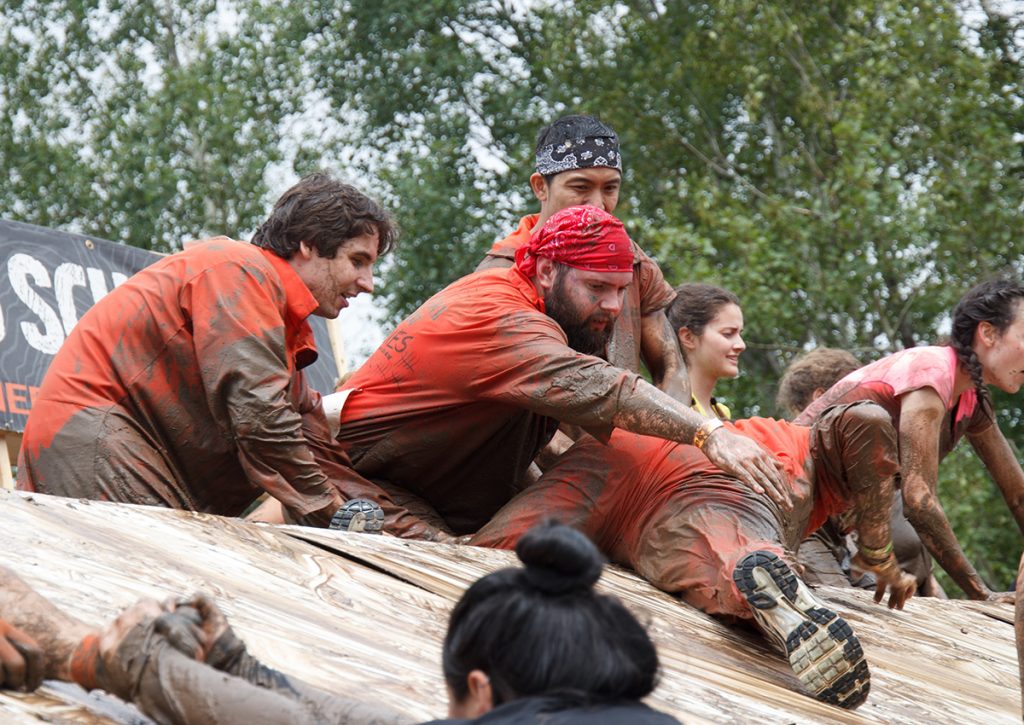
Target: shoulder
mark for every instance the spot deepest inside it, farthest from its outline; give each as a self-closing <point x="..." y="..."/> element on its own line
<point x="506" y="248"/>
<point x="921" y="367"/>
<point x="221" y="255"/>
<point x="497" y="302"/>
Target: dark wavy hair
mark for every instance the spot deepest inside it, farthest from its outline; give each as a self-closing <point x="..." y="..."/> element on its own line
<point x="543" y="630"/>
<point x="324" y="213"/>
<point x="994" y="301"/>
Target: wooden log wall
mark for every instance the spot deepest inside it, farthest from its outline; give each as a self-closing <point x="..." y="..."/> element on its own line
<point x="357" y="613"/>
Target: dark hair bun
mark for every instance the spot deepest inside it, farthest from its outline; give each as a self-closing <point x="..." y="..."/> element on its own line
<point x="559" y="559"/>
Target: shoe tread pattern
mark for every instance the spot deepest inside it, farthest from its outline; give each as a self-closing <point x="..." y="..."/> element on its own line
<point x="822" y="649"/>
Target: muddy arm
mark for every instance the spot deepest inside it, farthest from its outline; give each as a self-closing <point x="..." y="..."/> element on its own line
<point x="56" y="633"/>
<point x="153" y="655"/>
<point x="648" y="411"/>
<point x="995" y="452"/>
<point x="661" y="355"/>
<point x="921" y="415"/>
<point x="177" y="689"/>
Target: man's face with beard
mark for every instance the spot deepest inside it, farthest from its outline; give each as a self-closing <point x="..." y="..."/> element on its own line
<point x="585" y="305"/>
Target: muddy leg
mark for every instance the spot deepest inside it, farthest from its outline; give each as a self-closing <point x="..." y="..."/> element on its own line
<point x="562" y="501"/>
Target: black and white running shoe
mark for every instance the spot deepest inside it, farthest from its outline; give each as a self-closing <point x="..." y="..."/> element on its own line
<point x="822" y="649"/>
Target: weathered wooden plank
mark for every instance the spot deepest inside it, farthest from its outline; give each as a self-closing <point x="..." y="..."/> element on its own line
<point x="321" y="617"/>
<point x="366" y="614"/>
<point x="729" y="675"/>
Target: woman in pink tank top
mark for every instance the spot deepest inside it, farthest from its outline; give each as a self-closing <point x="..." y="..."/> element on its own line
<point x="935" y="396"/>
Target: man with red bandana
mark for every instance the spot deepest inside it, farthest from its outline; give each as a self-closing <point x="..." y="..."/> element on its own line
<point x="457" y="401"/>
<point x="578" y="163"/>
<point x="691" y="529"/>
<point x="184" y="388"/>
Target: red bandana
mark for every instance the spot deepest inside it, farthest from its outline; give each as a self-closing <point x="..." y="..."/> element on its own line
<point x="583" y="237"/>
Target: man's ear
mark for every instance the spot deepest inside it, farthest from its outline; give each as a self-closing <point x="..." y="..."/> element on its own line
<point x="546" y="273"/>
<point x="539" y="186"/>
<point x="306" y="251"/>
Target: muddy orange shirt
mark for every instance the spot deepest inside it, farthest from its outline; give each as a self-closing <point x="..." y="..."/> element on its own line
<point x="182" y="387"/>
<point x="456" y="402"/>
<point x="648" y="293"/>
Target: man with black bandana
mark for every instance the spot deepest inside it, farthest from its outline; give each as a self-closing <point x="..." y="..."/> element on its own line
<point x="578" y="163"/>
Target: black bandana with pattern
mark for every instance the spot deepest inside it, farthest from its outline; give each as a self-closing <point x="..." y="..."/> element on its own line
<point x="579" y="153"/>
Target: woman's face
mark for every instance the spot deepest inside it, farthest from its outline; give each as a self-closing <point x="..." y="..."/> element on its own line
<point x="1002" y="355"/>
<point x="716" y="351"/>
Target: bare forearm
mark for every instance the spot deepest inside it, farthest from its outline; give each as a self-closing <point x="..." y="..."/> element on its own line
<point x="56" y="632"/>
<point x="931" y="524"/>
<point x="873" y="509"/>
<point x="1002" y="463"/>
<point x="648" y="411"/>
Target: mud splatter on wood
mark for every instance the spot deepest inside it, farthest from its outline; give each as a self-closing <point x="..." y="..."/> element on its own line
<point x="366" y="614"/>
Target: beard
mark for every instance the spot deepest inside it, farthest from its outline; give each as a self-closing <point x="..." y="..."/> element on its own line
<point x="577" y="328"/>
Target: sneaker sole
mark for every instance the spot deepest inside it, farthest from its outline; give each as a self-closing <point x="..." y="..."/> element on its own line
<point x="822" y="649"/>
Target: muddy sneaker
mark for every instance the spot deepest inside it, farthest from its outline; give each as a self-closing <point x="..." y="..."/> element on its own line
<point x="822" y="649"/>
<point x="358" y="514"/>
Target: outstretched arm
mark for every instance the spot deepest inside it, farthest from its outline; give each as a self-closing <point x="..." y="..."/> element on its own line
<point x="173" y="687"/>
<point x="54" y="633"/>
<point x="921" y="415"/>
<point x="21" y="659"/>
<point x="994" y="451"/>
<point x="648" y="411"/>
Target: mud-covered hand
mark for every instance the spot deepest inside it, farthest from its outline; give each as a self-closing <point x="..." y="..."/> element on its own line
<point x="1000" y="597"/>
<point x="22" y="664"/>
<point x="99" y="662"/>
<point x="199" y="628"/>
<point x="888" y="575"/>
<point x="742" y="457"/>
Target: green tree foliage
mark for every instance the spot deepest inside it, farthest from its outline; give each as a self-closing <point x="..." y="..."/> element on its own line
<point x="847" y="167"/>
<point x="144" y="122"/>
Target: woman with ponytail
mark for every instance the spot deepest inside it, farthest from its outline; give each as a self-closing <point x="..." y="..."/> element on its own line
<point x="935" y="396"/>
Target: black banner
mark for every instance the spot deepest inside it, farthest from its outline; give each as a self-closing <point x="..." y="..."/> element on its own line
<point x="48" y="279"/>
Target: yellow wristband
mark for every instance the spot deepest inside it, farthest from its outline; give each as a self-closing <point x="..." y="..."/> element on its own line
<point x="875" y="556"/>
<point x="704" y="432"/>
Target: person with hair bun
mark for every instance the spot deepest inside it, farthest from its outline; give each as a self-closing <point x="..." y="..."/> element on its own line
<point x="708" y="324"/>
<point x="937" y="395"/>
<point x="538" y="644"/>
